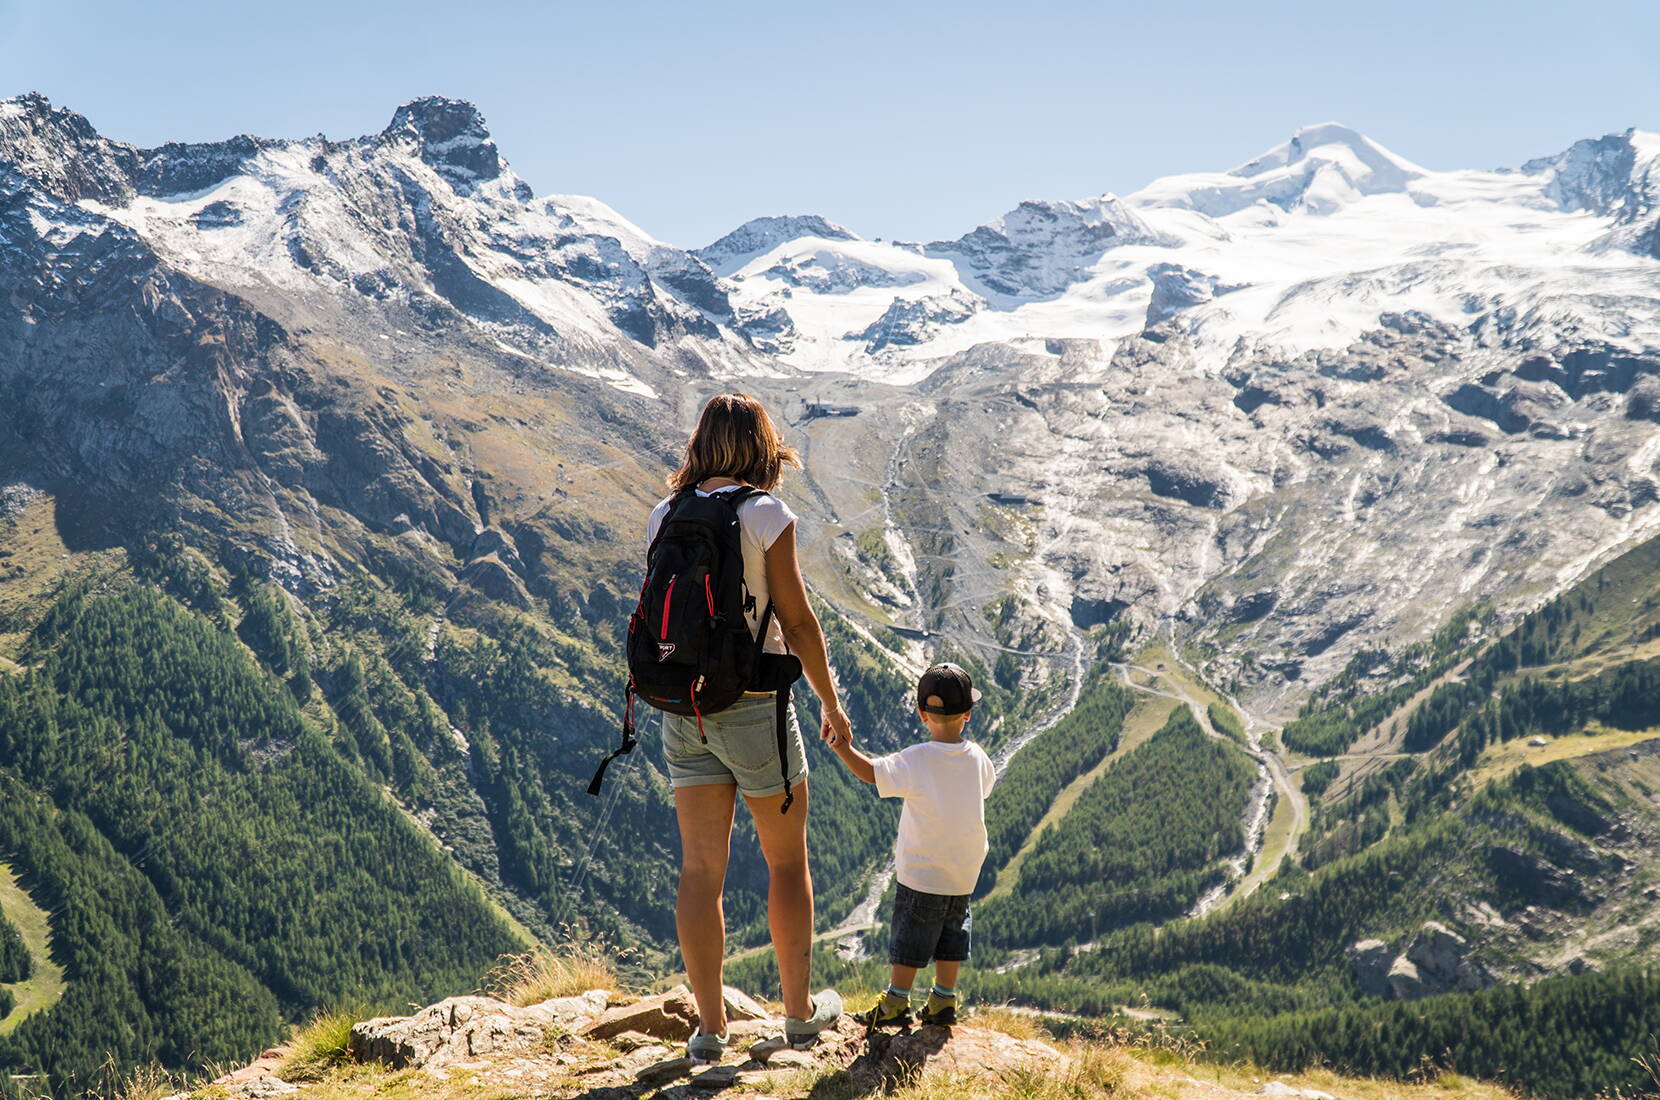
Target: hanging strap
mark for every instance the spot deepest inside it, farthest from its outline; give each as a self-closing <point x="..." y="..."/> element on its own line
<point x="628" y="741"/>
<point x="783" y="716"/>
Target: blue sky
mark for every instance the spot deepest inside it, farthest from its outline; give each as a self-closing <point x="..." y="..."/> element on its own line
<point x="908" y="120"/>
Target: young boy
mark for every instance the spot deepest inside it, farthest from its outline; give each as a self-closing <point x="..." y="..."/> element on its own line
<point x="942" y="842"/>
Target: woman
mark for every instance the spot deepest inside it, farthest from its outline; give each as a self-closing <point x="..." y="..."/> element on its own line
<point x="736" y="750"/>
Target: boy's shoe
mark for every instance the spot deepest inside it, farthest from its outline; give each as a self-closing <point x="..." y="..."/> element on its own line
<point x="803" y="1034"/>
<point x="944" y="1016"/>
<point x="884" y="1013"/>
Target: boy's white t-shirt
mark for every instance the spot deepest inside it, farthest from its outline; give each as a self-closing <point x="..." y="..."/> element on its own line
<point x="942" y="829"/>
<point x="761" y="519"/>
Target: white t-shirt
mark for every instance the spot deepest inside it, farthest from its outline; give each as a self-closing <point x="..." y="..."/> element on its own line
<point x="761" y="519"/>
<point x="942" y="829"/>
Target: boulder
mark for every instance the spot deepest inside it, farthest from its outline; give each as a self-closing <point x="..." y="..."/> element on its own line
<point x="1369" y="961"/>
<point x="792" y="1059"/>
<point x="670" y="1015"/>
<point x="659" y="1072"/>
<point x="968" y="1050"/>
<point x="1439" y="955"/>
<point x="452" y="1030"/>
<point x="765" y="1050"/>
<point x="572" y="1012"/>
<point x="715" y="1077"/>
<point x="1405" y="984"/>
<point x="265" y="1065"/>
<point x="741" y="1006"/>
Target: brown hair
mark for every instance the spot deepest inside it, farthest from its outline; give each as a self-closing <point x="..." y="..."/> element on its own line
<point x="734" y="438"/>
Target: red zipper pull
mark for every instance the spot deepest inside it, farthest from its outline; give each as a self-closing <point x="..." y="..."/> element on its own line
<point x="668" y="595"/>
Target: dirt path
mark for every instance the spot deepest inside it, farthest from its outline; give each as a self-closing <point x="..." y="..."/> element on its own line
<point x="47" y="985"/>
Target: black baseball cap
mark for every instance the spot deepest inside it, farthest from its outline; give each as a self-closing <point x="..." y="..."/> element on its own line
<point x="946" y="689"/>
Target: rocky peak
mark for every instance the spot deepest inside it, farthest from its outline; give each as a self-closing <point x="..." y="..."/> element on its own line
<point x="451" y="136"/>
<point x="60" y="151"/>
<point x="1614" y="174"/>
<point x="1041" y="247"/>
<point x="179" y="167"/>
<point x="759" y="235"/>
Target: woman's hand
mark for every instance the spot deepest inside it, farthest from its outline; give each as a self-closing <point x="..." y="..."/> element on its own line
<point x="836" y="729"/>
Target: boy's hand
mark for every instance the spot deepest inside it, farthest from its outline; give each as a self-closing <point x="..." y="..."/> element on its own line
<point x="836" y="730"/>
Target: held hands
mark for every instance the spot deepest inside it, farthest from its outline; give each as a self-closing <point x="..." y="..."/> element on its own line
<point x="836" y="730"/>
<point x="838" y="733"/>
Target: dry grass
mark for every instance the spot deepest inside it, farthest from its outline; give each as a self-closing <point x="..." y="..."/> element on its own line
<point x="1004" y="1018"/>
<point x="1439" y="1085"/>
<point x="1090" y="1072"/>
<point x="320" y="1046"/>
<point x="1499" y="761"/>
<point x="566" y="970"/>
<point x="146" y="1082"/>
<point x="375" y="1082"/>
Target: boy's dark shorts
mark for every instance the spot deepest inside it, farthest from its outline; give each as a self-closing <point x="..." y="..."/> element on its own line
<point x="929" y="928"/>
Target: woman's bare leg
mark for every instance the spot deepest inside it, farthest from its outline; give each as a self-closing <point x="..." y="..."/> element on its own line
<point x="705" y="815"/>
<point x="789" y="893"/>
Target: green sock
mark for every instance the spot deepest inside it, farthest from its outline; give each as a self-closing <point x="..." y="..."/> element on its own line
<point x="941" y="997"/>
<point x="895" y="999"/>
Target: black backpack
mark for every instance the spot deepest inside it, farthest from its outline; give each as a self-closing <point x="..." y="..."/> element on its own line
<point x="689" y="647"/>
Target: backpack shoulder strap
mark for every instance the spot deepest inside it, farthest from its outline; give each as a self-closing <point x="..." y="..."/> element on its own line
<point x="740" y="495"/>
<point x="675" y="500"/>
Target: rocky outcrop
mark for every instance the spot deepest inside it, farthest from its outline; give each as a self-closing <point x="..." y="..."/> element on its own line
<point x="1175" y="288"/>
<point x="1436" y="960"/>
<point x="911" y="321"/>
<point x="450" y="135"/>
<point x="910" y="1055"/>
<point x="1370" y="962"/>
<point x="582" y="1036"/>
<point x="565" y="1061"/>
<point x="1440" y="955"/>
<point x="465" y="1028"/>
<point x="1040" y="248"/>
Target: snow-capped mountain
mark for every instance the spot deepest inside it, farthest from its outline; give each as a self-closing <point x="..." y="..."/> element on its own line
<point x="1324" y="235"/>
<point x="416" y="226"/>
<point x="1289" y="410"/>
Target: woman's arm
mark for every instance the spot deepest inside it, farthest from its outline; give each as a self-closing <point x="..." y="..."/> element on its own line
<point x="802" y="632"/>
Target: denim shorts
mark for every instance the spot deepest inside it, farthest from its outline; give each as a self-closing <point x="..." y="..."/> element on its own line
<point x="739" y="745"/>
<point x="929" y="928"/>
